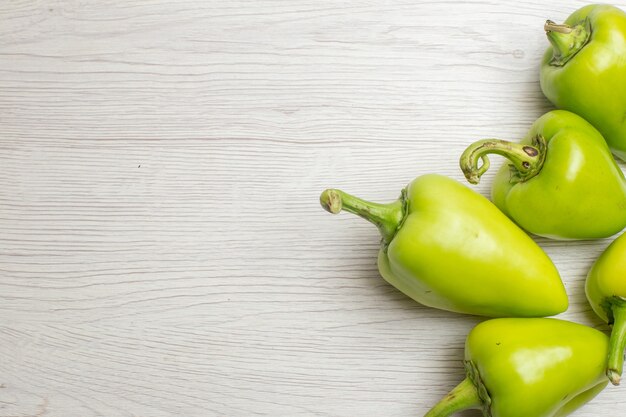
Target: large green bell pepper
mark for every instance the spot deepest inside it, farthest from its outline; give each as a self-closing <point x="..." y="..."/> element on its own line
<point x="562" y="181"/>
<point x="448" y="247"/>
<point x="584" y="70"/>
<point x="606" y="291"/>
<point x="520" y="367"/>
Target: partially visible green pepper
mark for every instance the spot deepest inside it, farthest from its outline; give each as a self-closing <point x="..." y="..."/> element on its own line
<point x="584" y="70"/>
<point x="528" y="368"/>
<point x="448" y="247"/>
<point x="561" y="183"/>
<point x="606" y="291"/>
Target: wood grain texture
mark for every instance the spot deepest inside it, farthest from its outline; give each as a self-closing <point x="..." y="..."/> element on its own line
<point x="162" y="250"/>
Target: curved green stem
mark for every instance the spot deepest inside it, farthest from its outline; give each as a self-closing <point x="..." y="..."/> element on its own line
<point x="617" y="343"/>
<point x="566" y="40"/>
<point x="462" y="397"/>
<point x="387" y="217"/>
<point x="526" y="159"/>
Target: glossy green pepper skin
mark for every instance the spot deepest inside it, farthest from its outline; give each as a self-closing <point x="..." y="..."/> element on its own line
<point x="606" y="291"/>
<point x="519" y="367"/>
<point x="450" y="248"/>
<point x="584" y="70"/>
<point x="562" y="181"/>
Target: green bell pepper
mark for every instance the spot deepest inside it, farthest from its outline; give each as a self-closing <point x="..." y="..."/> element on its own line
<point x="562" y="182"/>
<point x="606" y="291"/>
<point x="519" y="367"/>
<point x="584" y="70"/>
<point x="448" y="247"/>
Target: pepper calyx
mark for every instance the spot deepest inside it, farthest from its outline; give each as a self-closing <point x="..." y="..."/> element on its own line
<point x="386" y="240"/>
<point x="483" y="393"/>
<point x="567" y="40"/>
<point x="609" y="303"/>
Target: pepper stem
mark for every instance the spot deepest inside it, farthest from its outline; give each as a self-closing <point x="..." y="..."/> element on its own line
<point x="567" y="40"/>
<point x="617" y="343"/>
<point x="551" y="26"/>
<point x="387" y="217"/>
<point x="462" y="397"/>
<point x="526" y="159"/>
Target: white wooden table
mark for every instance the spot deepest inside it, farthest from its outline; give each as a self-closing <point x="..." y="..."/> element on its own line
<point x="162" y="249"/>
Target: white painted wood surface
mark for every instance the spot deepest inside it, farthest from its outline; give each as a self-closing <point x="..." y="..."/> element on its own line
<point x="162" y="250"/>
